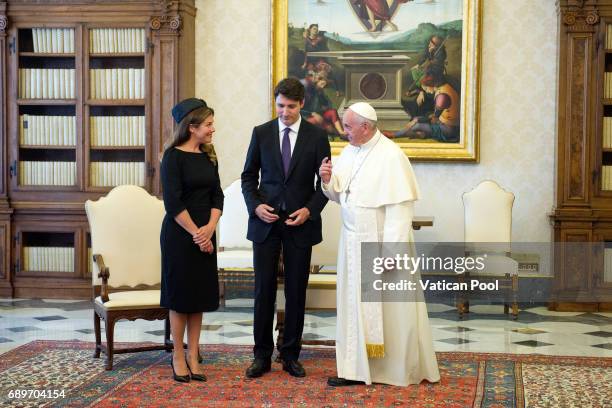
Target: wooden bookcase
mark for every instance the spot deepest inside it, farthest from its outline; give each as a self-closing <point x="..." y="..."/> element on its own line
<point x="582" y="218"/>
<point x="87" y="88"/>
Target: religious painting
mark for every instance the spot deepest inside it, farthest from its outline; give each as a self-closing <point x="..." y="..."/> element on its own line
<point x="415" y="61"/>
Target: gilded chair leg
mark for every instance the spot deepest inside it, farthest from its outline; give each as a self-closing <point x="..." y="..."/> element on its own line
<point x="515" y="309"/>
<point x="98" y="335"/>
<point x="461" y="308"/>
<point x="462" y="304"/>
<point x="110" y="328"/>
<point x="221" y="293"/>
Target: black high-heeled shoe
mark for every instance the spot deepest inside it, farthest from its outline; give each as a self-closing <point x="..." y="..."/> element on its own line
<point x="195" y="377"/>
<point x="179" y="378"/>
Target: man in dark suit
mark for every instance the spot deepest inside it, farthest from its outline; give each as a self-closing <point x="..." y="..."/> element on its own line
<point x="284" y="212"/>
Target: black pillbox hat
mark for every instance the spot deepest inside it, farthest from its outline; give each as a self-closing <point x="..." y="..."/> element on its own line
<point x="185" y="106"/>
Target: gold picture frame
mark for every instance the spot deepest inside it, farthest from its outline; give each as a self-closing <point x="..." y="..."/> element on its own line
<point x="286" y="45"/>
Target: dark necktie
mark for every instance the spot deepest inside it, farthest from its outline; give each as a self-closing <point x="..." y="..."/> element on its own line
<point x="286" y="150"/>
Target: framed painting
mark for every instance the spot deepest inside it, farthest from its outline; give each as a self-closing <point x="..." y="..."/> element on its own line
<point x="415" y="61"/>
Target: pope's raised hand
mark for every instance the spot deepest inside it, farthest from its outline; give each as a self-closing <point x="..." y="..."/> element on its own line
<point x="325" y="171"/>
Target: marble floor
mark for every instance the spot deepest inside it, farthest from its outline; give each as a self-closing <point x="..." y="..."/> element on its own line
<point x="486" y="329"/>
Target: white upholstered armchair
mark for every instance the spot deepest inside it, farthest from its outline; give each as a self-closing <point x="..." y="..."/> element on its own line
<point x="125" y="227"/>
<point x="488" y="229"/>
<point x="235" y="254"/>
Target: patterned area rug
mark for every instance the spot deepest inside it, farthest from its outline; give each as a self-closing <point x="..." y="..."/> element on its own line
<point x="144" y="379"/>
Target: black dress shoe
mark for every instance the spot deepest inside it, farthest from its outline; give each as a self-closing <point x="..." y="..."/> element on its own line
<point x="294" y="368"/>
<point x="195" y="377"/>
<point x="258" y="367"/>
<point x="342" y="382"/>
<point x="179" y="378"/>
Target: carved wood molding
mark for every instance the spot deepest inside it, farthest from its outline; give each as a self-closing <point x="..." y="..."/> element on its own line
<point x="169" y="19"/>
<point x="3" y="18"/>
<point x="166" y="23"/>
<point x="166" y="5"/>
<point x="579" y="17"/>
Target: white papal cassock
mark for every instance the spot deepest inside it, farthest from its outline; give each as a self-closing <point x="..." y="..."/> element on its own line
<point x="376" y="187"/>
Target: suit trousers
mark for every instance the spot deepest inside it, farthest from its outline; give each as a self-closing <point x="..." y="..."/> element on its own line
<point x="296" y="261"/>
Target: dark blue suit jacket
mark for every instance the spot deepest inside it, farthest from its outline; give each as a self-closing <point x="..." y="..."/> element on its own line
<point x="300" y="188"/>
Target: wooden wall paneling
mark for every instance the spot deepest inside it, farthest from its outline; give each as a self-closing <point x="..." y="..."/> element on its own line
<point x="81" y="76"/>
<point x="11" y="75"/>
<point x="3" y="108"/>
<point x="6" y="287"/>
<point x="583" y="209"/>
<point x="577" y="175"/>
<point x="164" y="85"/>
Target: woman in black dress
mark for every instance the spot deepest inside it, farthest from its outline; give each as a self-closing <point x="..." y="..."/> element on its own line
<point x="193" y="200"/>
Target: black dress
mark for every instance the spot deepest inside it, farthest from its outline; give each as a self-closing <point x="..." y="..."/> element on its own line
<point x="190" y="283"/>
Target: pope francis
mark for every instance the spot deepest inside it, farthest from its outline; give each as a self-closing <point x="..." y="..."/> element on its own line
<point x="373" y="181"/>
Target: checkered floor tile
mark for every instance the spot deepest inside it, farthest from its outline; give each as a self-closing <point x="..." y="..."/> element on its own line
<point x="537" y="329"/>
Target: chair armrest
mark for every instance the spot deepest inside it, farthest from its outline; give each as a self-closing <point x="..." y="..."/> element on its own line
<point x="315" y="268"/>
<point x="104" y="275"/>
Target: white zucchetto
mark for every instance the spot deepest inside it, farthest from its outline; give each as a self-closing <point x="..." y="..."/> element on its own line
<point x="365" y="110"/>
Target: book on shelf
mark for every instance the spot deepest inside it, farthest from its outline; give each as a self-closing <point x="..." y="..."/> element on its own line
<point x="116" y="40"/>
<point x="48" y="40"/>
<point x="125" y="84"/>
<point x="60" y="41"/>
<point x="47" y="173"/>
<point x="69" y="81"/>
<point x="57" y="82"/>
<point x="111" y="174"/>
<point x="47" y="130"/>
<point x="117" y="131"/>
<point x="116" y="83"/>
<point x="139" y="83"/>
<point x="606" y="177"/>
<point x="607" y="132"/>
<point x="46" y="83"/>
<point x="108" y="80"/>
<point x="131" y="80"/>
<point x="39" y="93"/>
<point x="21" y="82"/>
<point x="48" y="259"/>
<point x="53" y="40"/>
